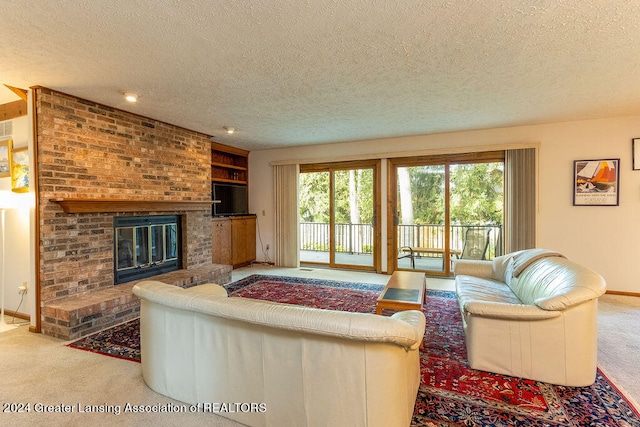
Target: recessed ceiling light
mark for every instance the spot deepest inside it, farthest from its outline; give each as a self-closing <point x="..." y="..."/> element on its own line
<point x="131" y="97"/>
<point x="229" y="129"/>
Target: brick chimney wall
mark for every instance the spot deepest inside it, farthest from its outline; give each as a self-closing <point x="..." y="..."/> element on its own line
<point x="88" y="150"/>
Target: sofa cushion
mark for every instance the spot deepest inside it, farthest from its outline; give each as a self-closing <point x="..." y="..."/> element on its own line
<point x="556" y="284"/>
<point x="523" y="259"/>
<point x="474" y="289"/>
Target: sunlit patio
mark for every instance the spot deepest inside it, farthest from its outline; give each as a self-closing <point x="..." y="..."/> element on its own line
<point x="422" y="263"/>
<point x="354" y="244"/>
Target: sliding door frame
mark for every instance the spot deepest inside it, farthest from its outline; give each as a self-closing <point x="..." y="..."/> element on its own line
<point x="392" y="194"/>
<point x="376" y="166"/>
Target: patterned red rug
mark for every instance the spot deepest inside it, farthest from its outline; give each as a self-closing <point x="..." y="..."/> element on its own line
<point x="451" y="394"/>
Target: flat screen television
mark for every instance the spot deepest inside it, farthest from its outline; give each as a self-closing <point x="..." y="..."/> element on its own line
<point x="233" y="200"/>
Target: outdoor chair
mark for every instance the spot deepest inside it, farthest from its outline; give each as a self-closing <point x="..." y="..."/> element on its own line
<point x="408" y="252"/>
<point x="476" y="242"/>
<point x="417" y="252"/>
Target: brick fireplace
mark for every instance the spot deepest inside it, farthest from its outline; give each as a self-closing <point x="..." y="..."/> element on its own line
<point x="95" y="154"/>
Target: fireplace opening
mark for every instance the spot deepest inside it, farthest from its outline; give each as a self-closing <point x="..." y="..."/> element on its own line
<point x="146" y="246"/>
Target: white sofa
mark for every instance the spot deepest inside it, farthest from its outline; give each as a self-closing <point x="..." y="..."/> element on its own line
<point x="531" y="314"/>
<point x="298" y="366"/>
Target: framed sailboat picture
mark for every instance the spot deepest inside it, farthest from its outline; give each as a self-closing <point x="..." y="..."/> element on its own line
<point x="596" y="182"/>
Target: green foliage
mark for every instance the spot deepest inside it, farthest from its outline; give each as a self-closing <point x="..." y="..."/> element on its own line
<point x="314" y="196"/>
<point x="315" y="246"/>
<point x="477" y="193"/>
<point x="341" y="195"/>
<point x="427" y="192"/>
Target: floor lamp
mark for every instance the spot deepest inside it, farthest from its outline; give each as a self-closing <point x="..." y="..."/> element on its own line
<point x="3" y="325"/>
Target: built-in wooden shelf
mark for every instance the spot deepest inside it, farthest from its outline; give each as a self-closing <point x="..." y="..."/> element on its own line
<point x="229" y="164"/>
<point x="75" y="205"/>
<point x="223" y="165"/>
<point x="230" y="181"/>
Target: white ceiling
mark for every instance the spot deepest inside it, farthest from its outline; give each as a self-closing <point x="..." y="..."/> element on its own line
<point x="291" y="72"/>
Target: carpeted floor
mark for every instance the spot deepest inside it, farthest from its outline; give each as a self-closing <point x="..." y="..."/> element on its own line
<point x="451" y="393"/>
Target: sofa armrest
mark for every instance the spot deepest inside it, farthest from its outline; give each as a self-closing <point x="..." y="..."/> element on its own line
<point x="498" y="310"/>
<point x="417" y="320"/>
<point x="175" y="296"/>
<point x="483" y="269"/>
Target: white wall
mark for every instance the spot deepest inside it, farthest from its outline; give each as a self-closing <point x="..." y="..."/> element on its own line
<point x="18" y="239"/>
<point x="606" y="239"/>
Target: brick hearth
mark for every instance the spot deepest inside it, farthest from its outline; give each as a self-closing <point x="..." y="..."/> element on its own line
<point x="73" y="317"/>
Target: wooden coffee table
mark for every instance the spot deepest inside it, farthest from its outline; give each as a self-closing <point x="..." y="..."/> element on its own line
<point x="404" y="291"/>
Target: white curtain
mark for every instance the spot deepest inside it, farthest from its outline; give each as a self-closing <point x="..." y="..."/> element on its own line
<point x="520" y="199"/>
<point x="287" y="253"/>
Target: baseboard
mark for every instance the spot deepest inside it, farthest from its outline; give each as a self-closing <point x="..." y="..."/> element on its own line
<point x="17" y="315"/>
<point x="627" y="294"/>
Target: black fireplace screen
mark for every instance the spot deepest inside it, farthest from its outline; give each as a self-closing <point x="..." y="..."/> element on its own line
<point x="146" y="246"/>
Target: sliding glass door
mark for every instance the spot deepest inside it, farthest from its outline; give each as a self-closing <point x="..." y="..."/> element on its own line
<point x="445" y="208"/>
<point x="338" y="215"/>
<point x="421" y="217"/>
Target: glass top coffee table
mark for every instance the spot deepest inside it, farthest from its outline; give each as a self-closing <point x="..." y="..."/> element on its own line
<point x="404" y="291"/>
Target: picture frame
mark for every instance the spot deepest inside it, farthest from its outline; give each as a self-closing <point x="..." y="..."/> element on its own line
<point x="635" y="147"/>
<point x="20" y="170"/>
<point x="596" y="182"/>
<point x="5" y="157"/>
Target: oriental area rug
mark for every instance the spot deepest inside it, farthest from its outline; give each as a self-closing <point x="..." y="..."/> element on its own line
<point x="451" y="393"/>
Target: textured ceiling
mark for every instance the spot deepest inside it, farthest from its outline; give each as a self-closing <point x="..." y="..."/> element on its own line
<point x="292" y="72"/>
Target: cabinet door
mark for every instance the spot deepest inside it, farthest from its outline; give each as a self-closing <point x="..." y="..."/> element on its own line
<point x="243" y="238"/>
<point x="221" y="241"/>
<point x="250" y="239"/>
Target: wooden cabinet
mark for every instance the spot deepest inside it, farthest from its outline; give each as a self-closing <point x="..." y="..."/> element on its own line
<point x="243" y="240"/>
<point x="234" y="240"/>
<point x="221" y="241"/>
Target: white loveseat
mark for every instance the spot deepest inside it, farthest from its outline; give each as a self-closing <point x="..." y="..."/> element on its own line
<point x="531" y="314"/>
<point x="277" y="364"/>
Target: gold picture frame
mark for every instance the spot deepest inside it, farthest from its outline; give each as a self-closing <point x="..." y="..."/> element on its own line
<point x="5" y="157"/>
<point x="20" y="170"/>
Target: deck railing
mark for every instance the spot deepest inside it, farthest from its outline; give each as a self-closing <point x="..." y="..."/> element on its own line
<point x="350" y="238"/>
<point x="432" y="236"/>
<point x="358" y="238"/>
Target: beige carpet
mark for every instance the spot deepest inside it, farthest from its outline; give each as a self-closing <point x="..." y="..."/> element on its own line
<point x="37" y="369"/>
<point x="619" y="343"/>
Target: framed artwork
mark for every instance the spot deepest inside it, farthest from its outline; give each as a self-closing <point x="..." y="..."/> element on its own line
<point x="635" y="146"/>
<point x="20" y="170"/>
<point x="596" y="182"/>
<point x="5" y="157"/>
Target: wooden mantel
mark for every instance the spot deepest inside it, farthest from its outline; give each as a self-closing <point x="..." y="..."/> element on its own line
<point x="75" y="205"/>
